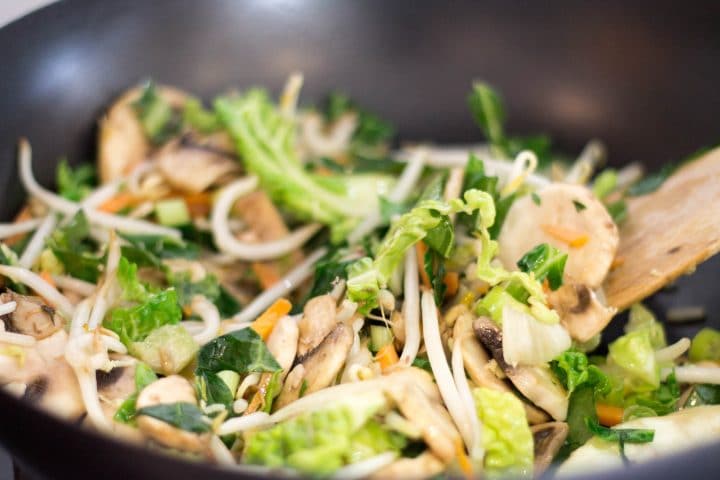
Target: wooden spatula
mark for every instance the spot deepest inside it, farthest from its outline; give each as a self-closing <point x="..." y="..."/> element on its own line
<point x="668" y="232"/>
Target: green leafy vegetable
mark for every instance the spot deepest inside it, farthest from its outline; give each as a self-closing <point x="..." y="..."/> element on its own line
<point x="242" y="351"/>
<point x="371" y="134"/>
<point x="164" y="247"/>
<point x="265" y="140"/>
<point x="574" y="370"/>
<point x="9" y="257"/>
<point x="74" y="184"/>
<point x="330" y="269"/>
<point x="186" y="289"/>
<point x="705" y="346"/>
<point x="182" y="415"/>
<point x="158" y="119"/>
<point x="507" y="439"/>
<point x="662" y="401"/>
<point x="545" y="261"/>
<point x="653" y="181"/>
<point x="621" y="436"/>
<point x="421" y="362"/>
<point x="643" y="319"/>
<point x="618" y="211"/>
<point x="134" y="324"/>
<point x="195" y="115"/>
<point x="213" y="389"/>
<point x="167" y="349"/>
<point x="703" y="394"/>
<point x="581" y="405"/>
<point x="536" y="198"/>
<point x="71" y="246"/>
<point x="272" y="390"/>
<point x="635" y="355"/>
<point x="579" y="206"/>
<point x="434" y="266"/>
<point x="605" y="183"/>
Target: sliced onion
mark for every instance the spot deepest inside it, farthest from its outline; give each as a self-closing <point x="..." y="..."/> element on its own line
<point x="364" y="468"/>
<point x="36" y="244"/>
<point x="226" y="241"/>
<point x="671" y="352"/>
<point x="210" y="317"/>
<point x="66" y="207"/>
<point x="286" y="284"/>
<point x="246" y="422"/>
<point x="11" y="229"/>
<point x="41" y="287"/>
<point x="441" y="370"/>
<point x="411" y="310"/>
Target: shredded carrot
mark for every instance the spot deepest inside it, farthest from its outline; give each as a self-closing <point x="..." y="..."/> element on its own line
<point x="452" y="282"/>
<point x="119" y="202"/>
<point x="265" y="323"/>
<point x="546" y="286"/>
<point x="45" y="275"/>
<point x="421" y="250"/>
<point x="571" y="237"/>
<point x="609" y="415"/>
<point x="387" y="357"/>
<point x="268" y="273"/>
<point x="463" y="460"/>
<point x="617" y="262"/>
<point x="198" y="204"/>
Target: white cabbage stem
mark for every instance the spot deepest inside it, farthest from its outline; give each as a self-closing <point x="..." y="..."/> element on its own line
<point x="364" y="468"/>
<point x="286" y="285"/>
<point x="694" y="374"/>
<point x="411" y="310"/>
<point x="11" y="229"/>
<point x="66" y="207"/>
<point x="240" y="424"/>
<point x="671" y="352"/>
<point x="407" y="181"/>
<point x="75" y="285"/>
<point x="41" y="287"/>
<point x="441" y="370"/>
<point x="226" y="241"/>
<point x="210" y="317"/>
<point x="36" y="244"/>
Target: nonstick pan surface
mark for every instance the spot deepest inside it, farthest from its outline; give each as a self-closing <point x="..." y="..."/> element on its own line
<point x="642" y="76"/>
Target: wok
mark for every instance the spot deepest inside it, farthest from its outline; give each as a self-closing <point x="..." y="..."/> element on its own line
<point x="643" y="76"/>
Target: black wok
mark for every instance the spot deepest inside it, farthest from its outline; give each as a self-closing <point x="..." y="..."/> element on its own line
<point x="643" y="76"/>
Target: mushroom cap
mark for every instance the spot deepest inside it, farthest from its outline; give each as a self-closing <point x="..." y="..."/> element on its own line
<point x="523" y="230"/>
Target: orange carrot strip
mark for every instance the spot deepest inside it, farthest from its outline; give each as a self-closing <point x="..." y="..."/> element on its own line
<point x="617" y="262"/>
<point x="463" y="460"/>
<point x="571" y="237"/>
<point x="609" y="415"/>
<point x="452" y="282"/>
<point x="118" y="202"/>
<point x="45" y="275"/>
<point x="198" y="204"/>
<point x="421" y="249"/>
<point x="387" y="357"/>
<point x="268" y="273"/>
<point x="264" y="324"/>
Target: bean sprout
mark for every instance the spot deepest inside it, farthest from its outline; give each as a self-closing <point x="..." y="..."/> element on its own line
<point x="210" y="316"/>
<point x="107" y="292"/>
<point x="6" y="308"/>
<point x="220" y="452"/>
<point x="286" y="285"/>
<point x="41" y="287"/>
<point x="102" y="194"/>
<point x="75" y="285"/>
<point x="66" y="207"/>
<point x="458" y="369"/>
<point x="246" y="422"/>
<point x="291" y="92"/>
<point x="17" y="228"/>
<point x="364" y="468"/>
<point x="411" y="310"/>
<point x="671" y="352"/>
<point x="694" y="374"/>
<point x="441" y="370"/>
<point x="19" y="339"/>
<point x="35" y="247"/>
<point x="227" y="243"/>
<point x="524" y="165"/>
<point x="589" y="159"/>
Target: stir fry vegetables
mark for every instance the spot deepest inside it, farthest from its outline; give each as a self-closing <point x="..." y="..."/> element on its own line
<point x="258" y="283"/>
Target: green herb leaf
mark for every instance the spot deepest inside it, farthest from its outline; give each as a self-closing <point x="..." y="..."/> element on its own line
<point x="390" y="210"/>
<point x="133" y="324"/>
<point x="605" y="183"/>
<point x="620" y="435"/>
<point x="213" y="390"/>
<point x="618" y="211"/>
<point x="545" y="261"/>
<point x="441" y="238"/>
<point x="74" y="184"/>
<point x="272" y="390"/>
<point x="489" y="114"/>
<point x="144" y="376"/>
<point x="195" y="115"/>
<point x="182" y="415"/>
<point x="579" y="206"/>
<point x="423" y="363"/>
<point x="71" y="246"/>
<point x="164" y="247"/>
<point x="242" y="351"/>
<point x="186" y="289"/>
<point x="434" y="266"/>
<point x="653" y="181"/>
<point x="536" y="198"/>
<point x="502" y="207"/>
<point x="330" y="269"/>
<point x="574" y="370"/>
<point x="703" y="394"/>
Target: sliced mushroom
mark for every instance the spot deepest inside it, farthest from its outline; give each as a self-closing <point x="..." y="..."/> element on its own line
<point x="282" y="343"/>
<point x="115" y="386"/>
<point x="172" y="389"/>
<point x="191" y="168"/>
<point x="536" y="383"/>
<point x="122" y="144"/>
<point x="425" y="465"/>
<point x="323" y="363"/>
<point x="31" y="317"/>
<point x="477" y="364"/>
<point x="292" y="387"/>
<point x="548" y="439"/>
<point x="319" y="318"/>
<point x="581" y="311"/>
<point x="429" y="416"/>
<point x="527" y="223"/>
